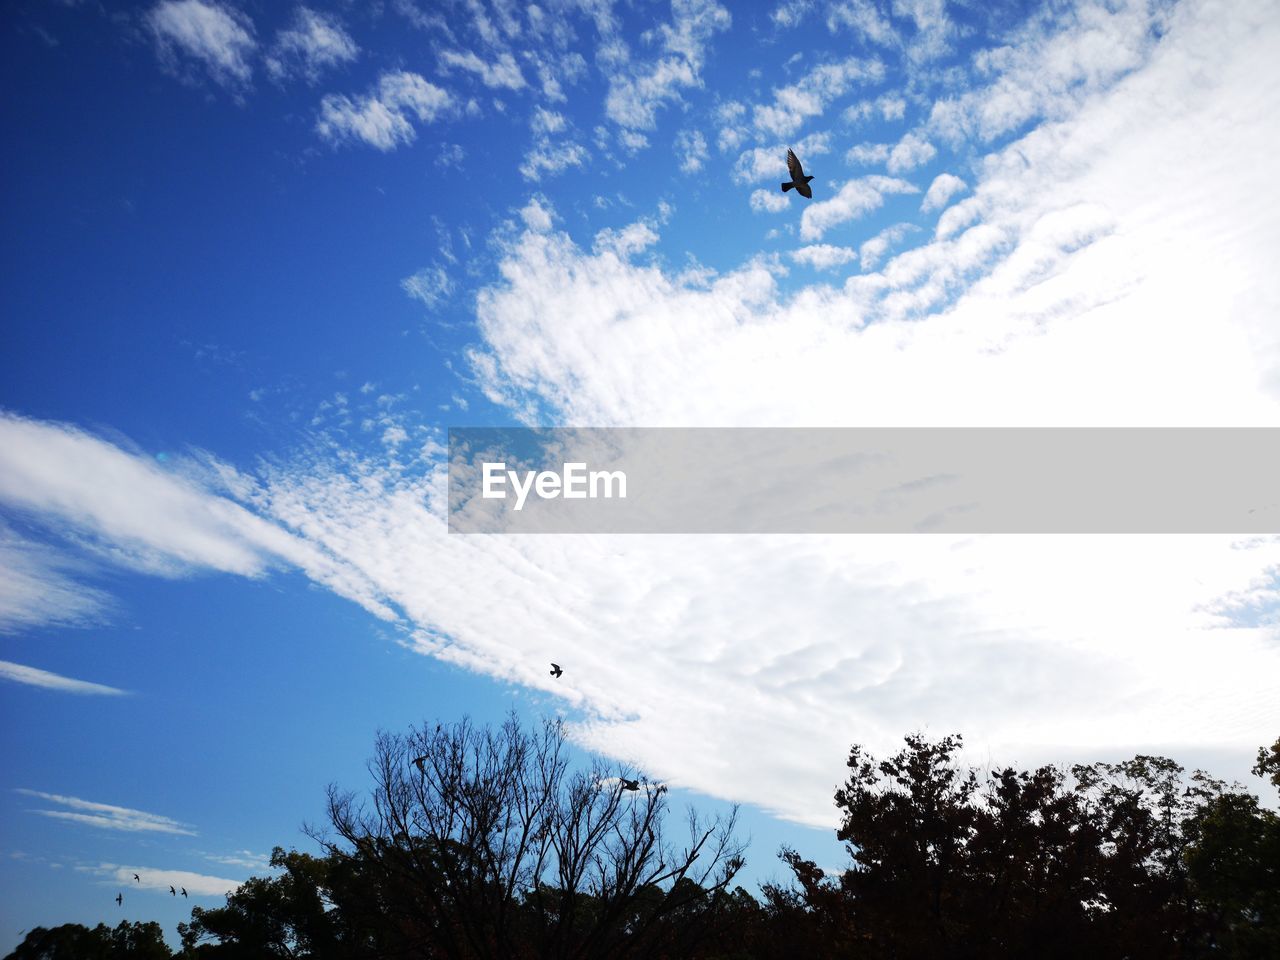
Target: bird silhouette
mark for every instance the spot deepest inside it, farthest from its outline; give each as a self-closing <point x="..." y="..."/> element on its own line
<point x="630" y="784"/>
<point x="555" y="670"/>
<point x="120" y="899"/>
<point x="184" y="891"/>
<point x="172" y="892"/>
<point x="798" y="179"/>
<point x="421" y="763"/>
<point x="138" y="878"/>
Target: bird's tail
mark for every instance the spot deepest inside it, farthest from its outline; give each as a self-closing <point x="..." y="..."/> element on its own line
<point x="787" y="186"/>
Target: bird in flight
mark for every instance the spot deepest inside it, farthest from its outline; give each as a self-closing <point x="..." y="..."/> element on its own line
<point x="421" y="763"/>
<point x="172" y="892"/>
<point x="184" y="891"/>
<point x="138" y="878"/>
<point x="630" y="784"/>
<point x="798" y="179"/>
<point x="555" y="670"/>
<point x="120" y="899"/>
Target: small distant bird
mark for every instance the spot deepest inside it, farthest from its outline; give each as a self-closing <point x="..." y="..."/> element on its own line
<point x="555" y="670"/>
<point x="798" y="179"/>
<point x="119" y="899"/>
<point x="630" y="784"/>
<point x="421" y="763"/>
<point x="184" y="891"/>
<point x="137" y="878"/>
<point x="172" y="892"/>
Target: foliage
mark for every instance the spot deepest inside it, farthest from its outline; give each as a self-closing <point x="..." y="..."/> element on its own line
<point x="73" y="941"/>
<point x="482" y="842"/>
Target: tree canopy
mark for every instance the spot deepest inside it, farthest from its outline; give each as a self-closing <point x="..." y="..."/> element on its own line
<point x="477" y="842"/>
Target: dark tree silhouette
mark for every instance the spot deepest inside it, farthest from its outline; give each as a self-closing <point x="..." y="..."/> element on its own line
<point x="482" y="842"/>
<point x="73" y="941"/>
<point x="1116" y="860"/>
<point x="493" y="846"/>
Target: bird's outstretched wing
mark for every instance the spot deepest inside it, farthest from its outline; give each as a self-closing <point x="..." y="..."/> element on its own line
<point x="794" y="168"/>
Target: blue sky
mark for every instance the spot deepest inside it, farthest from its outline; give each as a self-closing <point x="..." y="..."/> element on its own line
<point x="257" y="258"/>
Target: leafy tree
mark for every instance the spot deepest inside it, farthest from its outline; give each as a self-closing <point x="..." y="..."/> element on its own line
<point x="74" y="941"/>
<point x="1117" y="860"/>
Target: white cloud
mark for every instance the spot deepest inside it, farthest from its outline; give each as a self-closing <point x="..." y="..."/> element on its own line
<point x="637" y="90"/>
<point x="160" y="879"/>
<point x="824" y="256"/>
<point x="867" y="154"/>
<point x="732" y="130"/>
<point x="500" y="74"/>
<point x="537" y="214"/>
<point x="450" y="155"/>
<point x="628" y="241"/>
<point x="313" y="44"/>
<point x="32" y="676"/>
<point x="430" y="285"/>
<point x="864" y="18"/>
<point x="691" y="150"/>
<point x="40" y="587"/>
<point x="547" y="121"/>
<point x="871" y="251"/>
<point x="127" y="510"/>
<point x="546" y="157"/>
<point x="217" y="37"/>
<point x="631" y="141"/>
<point x="944" y="187"/>
<point x="106" y="815"/>
<point x="770" y="163"/>
<point x="792" y="105"/>
<point x="1050" y="67"/>
<point x="854" y="199"/>
<point x="382" y="118"/>
<point x="910" y="152"/>
<point x="790" y="12"/>
<point x="258" y="862"/>
<point x="770" y="201"/>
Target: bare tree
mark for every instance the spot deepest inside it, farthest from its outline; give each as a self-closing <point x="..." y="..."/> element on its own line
<point x="482" y="842"/>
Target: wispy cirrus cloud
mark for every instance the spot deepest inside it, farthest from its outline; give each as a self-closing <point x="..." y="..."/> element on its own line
<point x="384" y="117"/>
<point x="35" y="677"/>
<point x="809" y="96"/>
<point x="638" y="89"/>
<point x="160" y="879"/>
<point x="212" y="38"/>
<point x="313" y="44"/>
<point x="501" y="73"/>
<point x="120" y="509"/>
<point x="106" y="815"/>
<point x="45" y="586"/>
<point x="246" y="859"/>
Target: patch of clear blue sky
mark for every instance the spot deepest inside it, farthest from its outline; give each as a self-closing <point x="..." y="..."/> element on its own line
<point x="185" y="270"/>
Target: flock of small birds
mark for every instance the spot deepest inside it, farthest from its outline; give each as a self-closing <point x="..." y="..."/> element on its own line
<point x="138" y="879"/>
